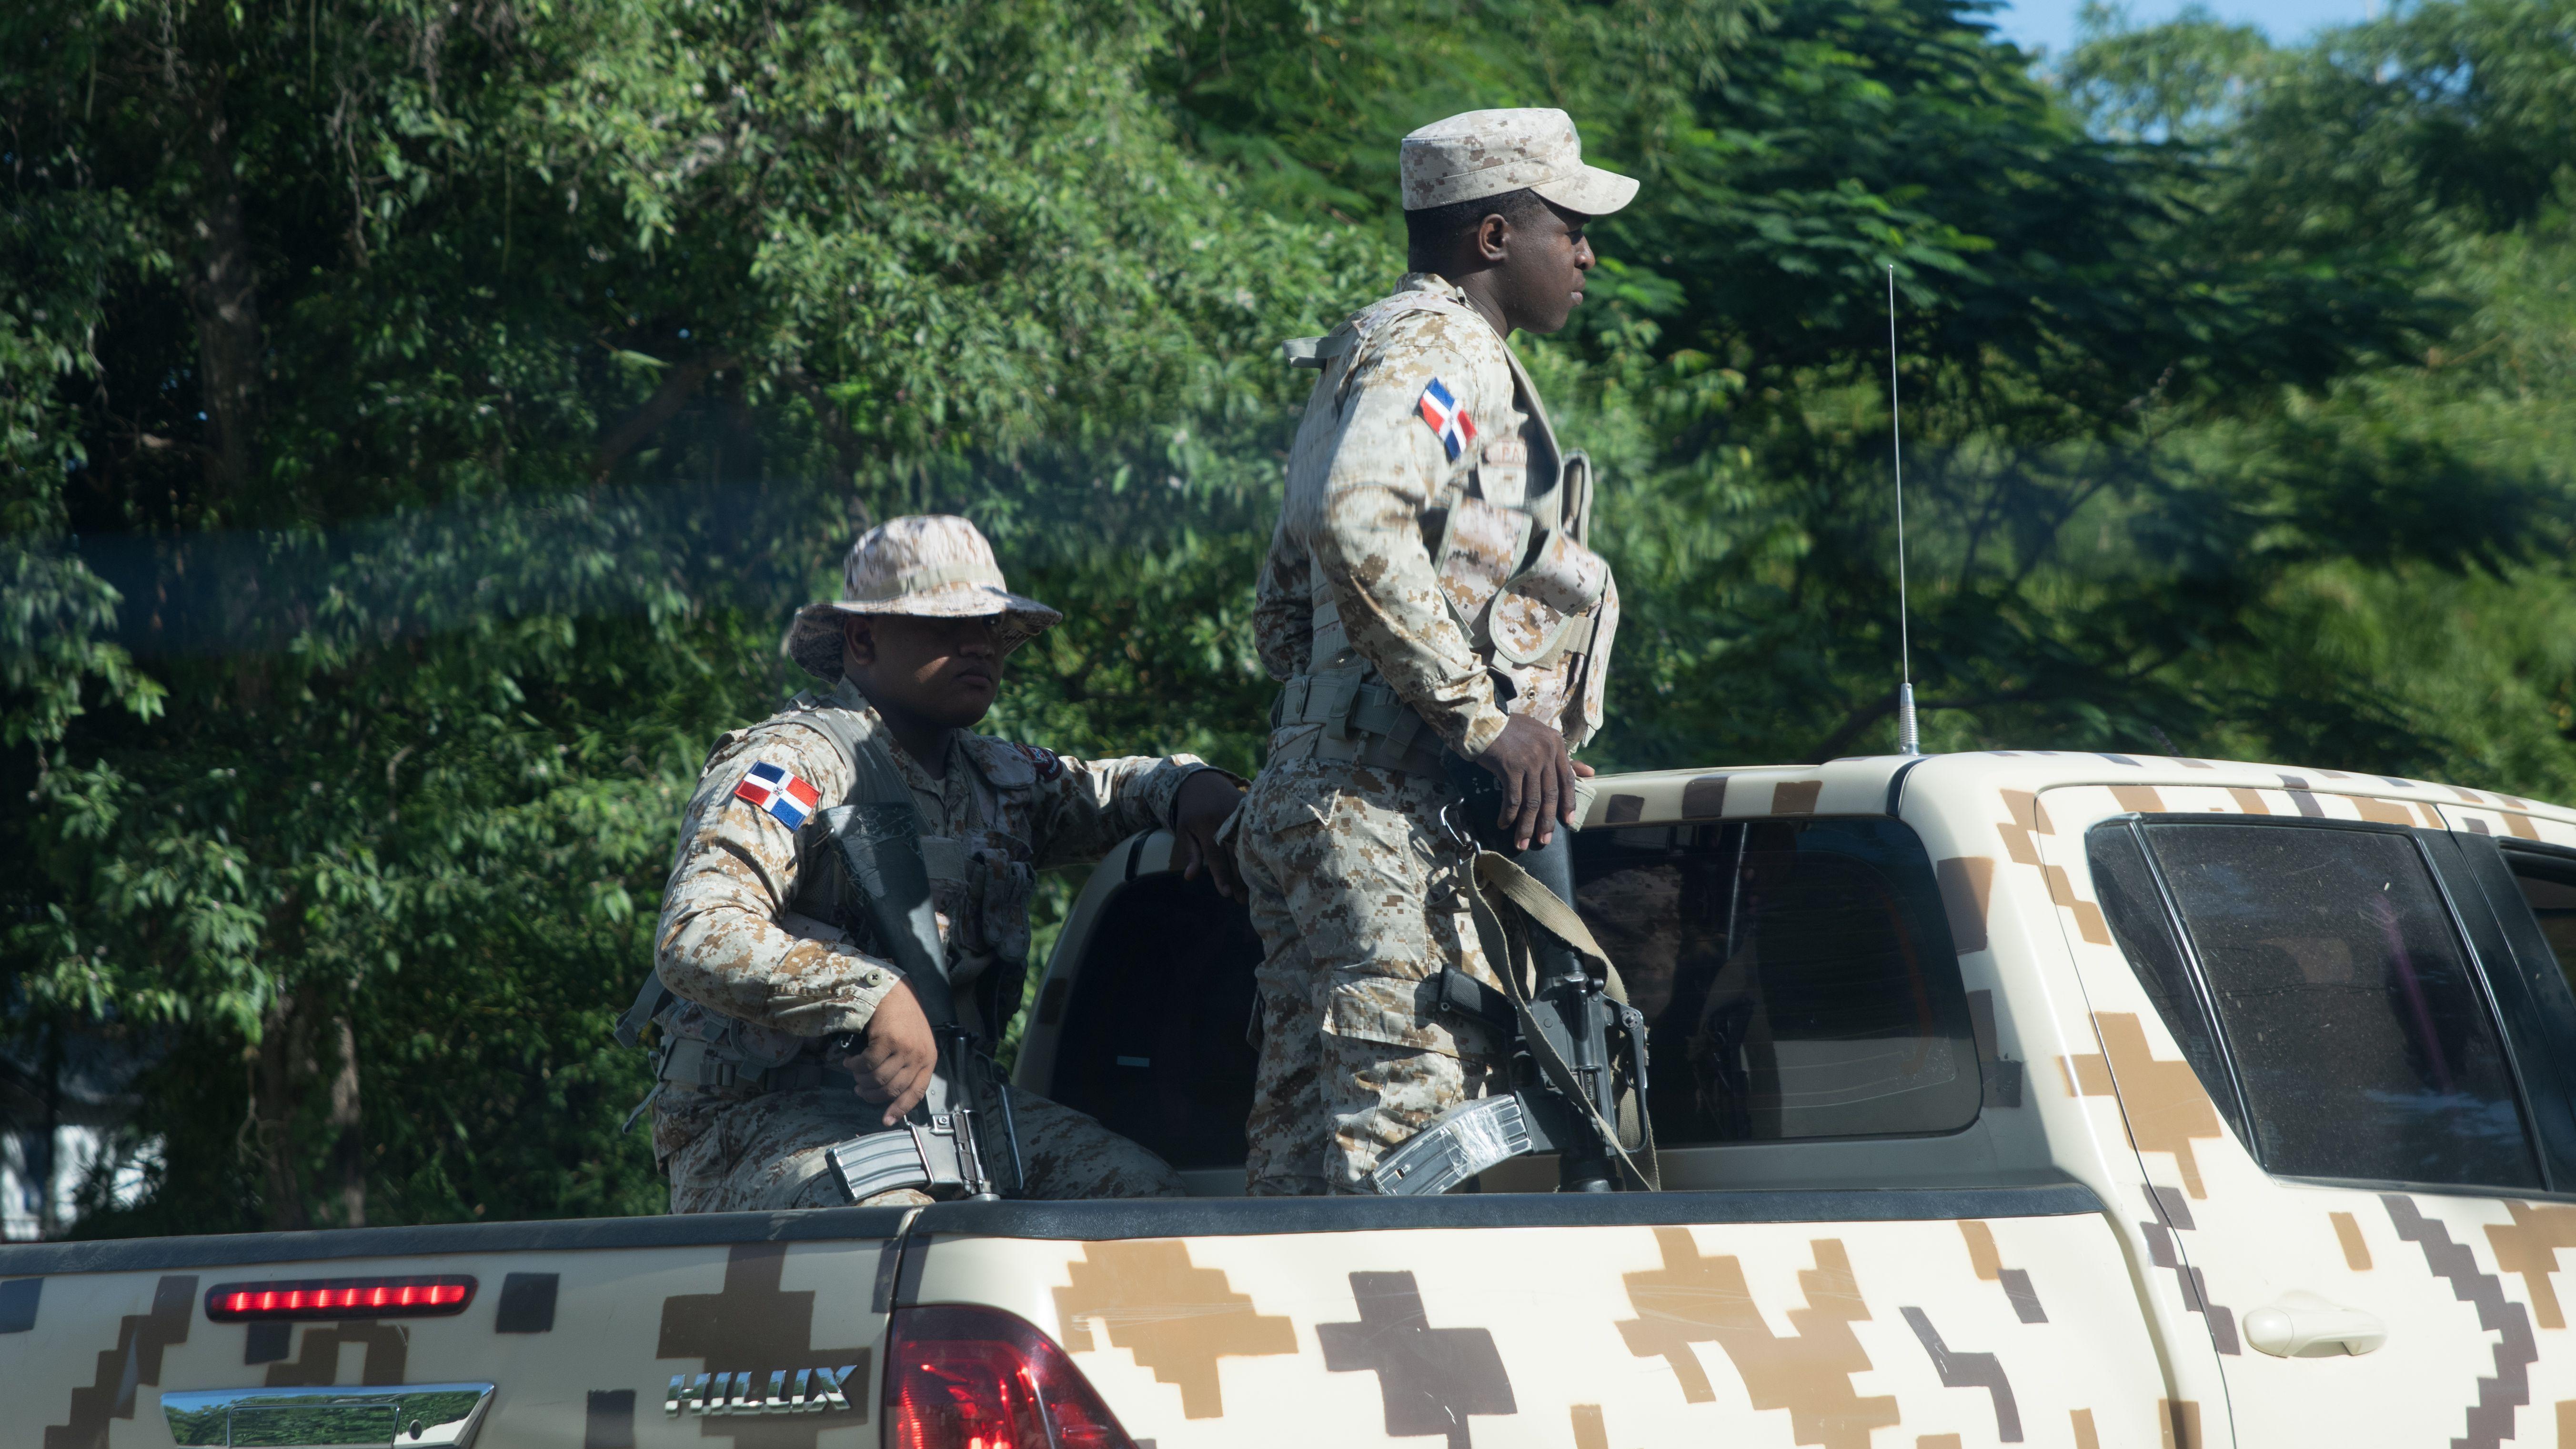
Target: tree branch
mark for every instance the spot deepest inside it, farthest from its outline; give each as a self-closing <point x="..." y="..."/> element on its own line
<point x="640" y="425"/>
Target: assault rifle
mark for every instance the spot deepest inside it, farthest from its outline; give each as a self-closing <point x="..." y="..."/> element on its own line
<point x="1578" y="1053"/>
<point x="939" y="1147"/>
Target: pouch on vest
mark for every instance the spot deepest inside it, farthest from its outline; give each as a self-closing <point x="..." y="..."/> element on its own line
<point x="1535" y="616"/>
<point x="1538" y="605"/>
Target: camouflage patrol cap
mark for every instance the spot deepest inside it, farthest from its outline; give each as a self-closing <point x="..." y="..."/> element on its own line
<point x="1485" y="153"/>
<point x="933" y="566"/>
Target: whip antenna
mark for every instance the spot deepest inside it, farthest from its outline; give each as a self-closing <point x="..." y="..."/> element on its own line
<point x="1909" y="741"/>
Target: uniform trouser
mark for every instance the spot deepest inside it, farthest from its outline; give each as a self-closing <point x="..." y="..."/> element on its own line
<point x="1356" y="893"/>
<point x="766" y="1153"/>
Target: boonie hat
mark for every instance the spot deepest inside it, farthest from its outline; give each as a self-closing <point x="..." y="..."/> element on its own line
<point x="1486" y="153"/>
<point x="933" y="566"/>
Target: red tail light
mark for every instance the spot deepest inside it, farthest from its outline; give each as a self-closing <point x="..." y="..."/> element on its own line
<point x="435" y="1297"/>
<point x="978" y="1378"/>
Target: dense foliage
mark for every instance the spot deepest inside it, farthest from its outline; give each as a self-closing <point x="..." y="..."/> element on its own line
<point x="417" y="418"/>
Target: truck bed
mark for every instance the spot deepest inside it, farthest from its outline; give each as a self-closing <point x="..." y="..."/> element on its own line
<point x="1505" y="1318"/>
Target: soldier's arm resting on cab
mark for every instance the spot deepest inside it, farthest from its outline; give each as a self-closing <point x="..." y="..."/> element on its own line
<point x="1083" y="807"/>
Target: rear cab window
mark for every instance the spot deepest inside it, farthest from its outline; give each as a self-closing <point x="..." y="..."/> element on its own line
<point x="1797" y="977"/>
<point x="2548" y="884"/>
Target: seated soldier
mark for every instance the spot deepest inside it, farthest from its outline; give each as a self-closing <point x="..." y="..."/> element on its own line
<point x="769" y="984"/>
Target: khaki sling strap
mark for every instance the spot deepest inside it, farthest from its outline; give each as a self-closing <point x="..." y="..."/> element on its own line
<point x="1508" y="948"/>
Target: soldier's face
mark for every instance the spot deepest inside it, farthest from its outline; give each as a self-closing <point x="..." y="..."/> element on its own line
<point x="943" y="671"/>
<point x="1539" y="266"/>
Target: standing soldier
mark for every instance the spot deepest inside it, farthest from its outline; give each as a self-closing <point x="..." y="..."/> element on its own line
<point x="762" y="976"/>
<point x="1427" y="597"/>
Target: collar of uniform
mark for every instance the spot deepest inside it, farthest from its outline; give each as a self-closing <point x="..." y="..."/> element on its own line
<point x="846" y="695"/>
<point x="1434" y="283"/>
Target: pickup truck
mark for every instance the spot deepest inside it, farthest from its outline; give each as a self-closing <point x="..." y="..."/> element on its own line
<point x="2018" y="1097"/>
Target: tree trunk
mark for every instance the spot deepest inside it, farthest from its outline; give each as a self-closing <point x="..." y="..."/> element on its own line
<point x="273" y="1115"/>
<point x="223" y="292"/>
<point x="46" y="1168"/>
<point x="348" y="1161"/>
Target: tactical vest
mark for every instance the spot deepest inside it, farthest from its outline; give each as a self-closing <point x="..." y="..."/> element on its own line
<point x="1508" y="537"/>
<point x="703" y="1047"/>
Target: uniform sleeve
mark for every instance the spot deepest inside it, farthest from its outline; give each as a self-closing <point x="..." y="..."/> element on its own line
<point x="1386" y="467"/>
<point x="1080" y="808"/>
<point x="1283" y="607"/>
<point x="719" y="942"/>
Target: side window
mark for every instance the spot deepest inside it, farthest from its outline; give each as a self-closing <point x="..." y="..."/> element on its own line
<point x="2134" y="905"/>
<point x="2549" y="886"/>
<point x="2360" y="1033"/>
<point x="1798" y="978"/>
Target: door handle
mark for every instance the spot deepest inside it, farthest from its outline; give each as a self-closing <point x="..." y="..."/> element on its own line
<point x="2302" y="1325"/>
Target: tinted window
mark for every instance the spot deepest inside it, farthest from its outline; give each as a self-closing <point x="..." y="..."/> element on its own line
<point x="2359" y="1029"/>
<point x="1798" y="977"/>
<point x="1153" y="1042"/>
<point x="2549" y="886"/>
<point x="2144" y="930"/>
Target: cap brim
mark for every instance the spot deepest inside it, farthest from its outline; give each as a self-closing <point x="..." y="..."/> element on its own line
<point x="1591" y="191"/>
<point x="813" y="638"/>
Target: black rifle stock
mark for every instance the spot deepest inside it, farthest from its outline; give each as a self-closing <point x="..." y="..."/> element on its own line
<point x="1566" y="1085"/>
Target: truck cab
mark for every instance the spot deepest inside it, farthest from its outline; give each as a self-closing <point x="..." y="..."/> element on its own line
<point x="2307" y="1035"/>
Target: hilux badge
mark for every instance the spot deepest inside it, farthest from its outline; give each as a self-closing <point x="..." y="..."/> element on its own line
<point x="775" y="1391"/>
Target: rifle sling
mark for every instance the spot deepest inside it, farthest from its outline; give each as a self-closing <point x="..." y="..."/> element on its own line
<point x="1510" y="955"/>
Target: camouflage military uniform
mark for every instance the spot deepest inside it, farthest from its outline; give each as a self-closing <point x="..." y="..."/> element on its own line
<point x="1355" y="881"/>
<point x="752" y="970"/>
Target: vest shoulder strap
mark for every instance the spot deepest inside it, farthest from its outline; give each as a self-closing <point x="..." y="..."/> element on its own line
<point x="874" y="778"/>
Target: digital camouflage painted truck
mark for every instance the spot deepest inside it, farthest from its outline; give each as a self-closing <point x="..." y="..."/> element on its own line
<point x="2009" y="1098"/>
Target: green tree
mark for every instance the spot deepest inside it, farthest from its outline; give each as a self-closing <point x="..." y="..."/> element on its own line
<point x="452" y="404"/>
<point x="415" y="425"/>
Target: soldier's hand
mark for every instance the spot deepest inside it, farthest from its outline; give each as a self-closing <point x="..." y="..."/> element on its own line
<point x="1207" y="799"/>
<point x="1538" y="779"/>
<point x="900" y="1057"/>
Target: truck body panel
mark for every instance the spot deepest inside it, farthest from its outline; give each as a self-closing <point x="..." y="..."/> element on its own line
<point x="1816" y="1332"/>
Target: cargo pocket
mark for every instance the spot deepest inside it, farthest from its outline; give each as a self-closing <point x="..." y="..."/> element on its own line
<point x="1402" y="1011"/>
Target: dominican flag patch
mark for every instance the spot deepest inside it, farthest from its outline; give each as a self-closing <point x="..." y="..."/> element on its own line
<point x="1449" y="421"/>
<point x="788" y="799"/>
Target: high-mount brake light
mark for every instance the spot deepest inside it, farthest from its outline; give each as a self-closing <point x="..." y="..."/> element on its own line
<point x="977" y="1378"/>
<point x="437" y="1296"/>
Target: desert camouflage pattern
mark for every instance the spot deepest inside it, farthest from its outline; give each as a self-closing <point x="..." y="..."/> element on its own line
<point x="931" y="566"/>
<point x="1766" y="1337"/>
<point x="1357" y="895"/>
<point x="749" y="938"/>
<point x="2479" y="1352"/>
<point x="1767" y="1320"/>
<point x="1477" y="154"/>
<point x="766" y="1155"/>
<point x="1354" y="883"/>
<point x="1844" y="1334"/>
<point x="1350" y="577"/>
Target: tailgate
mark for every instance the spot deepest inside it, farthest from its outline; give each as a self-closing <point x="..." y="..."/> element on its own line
<point x="578" y="1335"/>
<point x="1844" y="1319"/>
